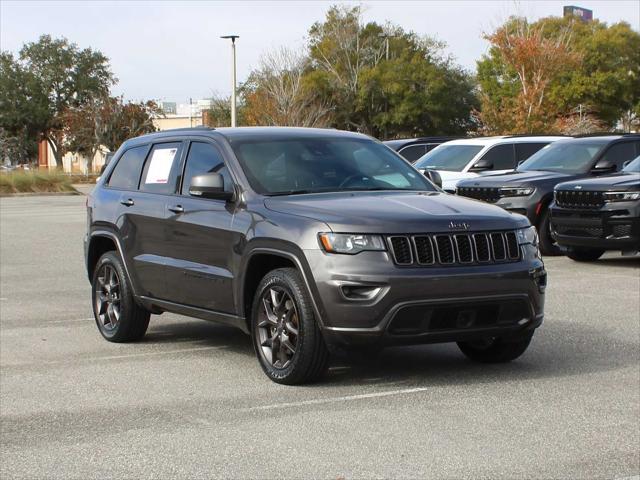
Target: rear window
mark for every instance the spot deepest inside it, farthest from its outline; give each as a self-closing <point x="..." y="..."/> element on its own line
<point x="449" y="157"/>
<point x="413" y="152"/>
<point x="126" y="173"/>
<point x="160" y="171"/>
<point x="525" y="150"/>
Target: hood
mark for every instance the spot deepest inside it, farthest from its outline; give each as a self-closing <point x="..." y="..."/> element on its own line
<point x="395" y="212"/>
<point x="516" y="178"/>
<point x="621" y="181"/>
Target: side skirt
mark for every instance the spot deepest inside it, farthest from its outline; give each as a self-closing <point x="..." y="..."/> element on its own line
<point x="155" y="304"/>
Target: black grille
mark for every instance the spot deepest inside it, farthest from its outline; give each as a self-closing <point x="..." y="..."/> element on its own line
<point x="498" y="247"/>
<point x="490" y="195"/>
<point x="454" y="249"/>
<point x="483" y="251"/>
<point x="512" y="245"/>
<point x="621" y="230"/>
<point x="578" y="231"/>
<point x="464" y="249"/>
<point x="424" y="250"/>
<point x="579" y="199"/>
<point x="444" y="246"/>
<point x="401" y="249"/>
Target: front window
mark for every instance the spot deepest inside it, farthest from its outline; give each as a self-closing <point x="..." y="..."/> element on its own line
<point x="312" y="165"/>
<point x="452" y="158"/>
<point x="633" y="167"/>
<point x="564" y="157"/>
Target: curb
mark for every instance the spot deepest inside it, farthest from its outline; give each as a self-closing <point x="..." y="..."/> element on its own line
<point x="39" y="194"/>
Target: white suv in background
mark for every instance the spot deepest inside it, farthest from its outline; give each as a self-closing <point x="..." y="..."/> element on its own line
<point x="470" y="157"/>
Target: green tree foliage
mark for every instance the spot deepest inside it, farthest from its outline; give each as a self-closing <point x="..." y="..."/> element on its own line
<point x="349" y="79"/>
<point x="50" y="77"/>
<point x="605" y="81"/>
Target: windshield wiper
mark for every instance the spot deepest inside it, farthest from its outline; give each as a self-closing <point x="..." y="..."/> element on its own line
<point x="292" y="192"/>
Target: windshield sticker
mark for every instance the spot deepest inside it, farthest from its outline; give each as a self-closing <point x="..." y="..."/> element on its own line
<point x="160" y="166"/>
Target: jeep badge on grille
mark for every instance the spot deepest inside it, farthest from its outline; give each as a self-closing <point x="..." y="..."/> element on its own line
<point x="459" y="226"/>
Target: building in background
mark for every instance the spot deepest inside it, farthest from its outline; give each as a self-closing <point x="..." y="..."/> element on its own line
<point x="183" y="115"/>
<point x="583" y="14"/>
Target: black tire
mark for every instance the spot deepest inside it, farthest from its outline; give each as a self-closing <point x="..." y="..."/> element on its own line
<point x="131" y="322"/>
<point x="497" y="350"/>
<point x="585" y="254"/>
<point x="548" y="246"/>
<point x="283" y="295"/>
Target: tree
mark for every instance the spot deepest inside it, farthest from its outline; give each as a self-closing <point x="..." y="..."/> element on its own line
<point x="62" y="77"/>
<point x="276" y="93"/>
<point x="106" y="122"/>
<point x="23" y="111"/>
<point x="602" y="75"/>
<point x="526" y="63"/>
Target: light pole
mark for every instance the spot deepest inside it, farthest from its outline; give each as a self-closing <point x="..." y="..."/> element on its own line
<point x="233" y="77"/>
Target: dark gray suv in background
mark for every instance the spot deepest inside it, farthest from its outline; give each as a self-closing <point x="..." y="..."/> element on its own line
<point x="311" y="241"/>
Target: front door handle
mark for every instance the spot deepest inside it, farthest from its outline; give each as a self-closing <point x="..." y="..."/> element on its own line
<point x="176" y="209"/>
<point x="128" y="202"/>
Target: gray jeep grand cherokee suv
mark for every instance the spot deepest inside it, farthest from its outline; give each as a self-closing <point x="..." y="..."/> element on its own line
<point x="311" y="241"/>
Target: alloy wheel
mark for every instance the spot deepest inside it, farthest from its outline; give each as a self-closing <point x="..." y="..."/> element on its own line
<point x="278" y="325"/>
<point x="108" y="297"/>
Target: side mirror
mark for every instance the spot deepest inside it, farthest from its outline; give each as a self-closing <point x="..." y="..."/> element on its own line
<point x="209" y="185"/>
<point x="603" y="166"/>
<point x="434" y="176"/>
<point x="481" y="165"/>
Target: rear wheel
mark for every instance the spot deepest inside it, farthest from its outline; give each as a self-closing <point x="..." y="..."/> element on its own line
<point x="118" y="316"/>
<point x="495" y="350"/>
<point x="548" y="245"/>
<point x="286" y="337"/>
<point x="585" y="254"/>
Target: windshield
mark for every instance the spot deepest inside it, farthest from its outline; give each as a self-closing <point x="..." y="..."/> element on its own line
<point x="564" y="157"/>
<point x="452" y="158"/>
<point x="311" y="165"/>
<point x="633" y="167"/>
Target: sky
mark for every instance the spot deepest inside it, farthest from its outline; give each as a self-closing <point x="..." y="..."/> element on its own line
<point x="171" y="51"/>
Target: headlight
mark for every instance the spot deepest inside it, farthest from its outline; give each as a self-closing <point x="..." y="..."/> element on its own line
<point x="516" y="191"/>
<point x="528" y="236"/>
<point x="621" y="196"/>
<point x="350" y="243"/>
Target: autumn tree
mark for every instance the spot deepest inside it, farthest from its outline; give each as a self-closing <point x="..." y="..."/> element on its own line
<point x="602" y="76"/>
<point x="529" y="63"/>
<point x="276" y="93"/>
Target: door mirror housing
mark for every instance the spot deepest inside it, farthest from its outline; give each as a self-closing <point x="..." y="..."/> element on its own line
<point x="434" y="176"/>
<point x="603" y="166"/>
<point x="209" y="185"/>
<point x="481" y="166"/>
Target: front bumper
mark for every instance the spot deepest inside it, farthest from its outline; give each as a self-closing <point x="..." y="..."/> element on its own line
<point x="614" y="226"/>
<point x="424" y="304"/>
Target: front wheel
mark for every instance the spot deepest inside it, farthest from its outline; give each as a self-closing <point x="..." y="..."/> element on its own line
<point x="495" y="350"/>
<point x="118" y="316"/>
<point x="585" y="254"/>
<point x="548" y="245"/>
<point x="286" y="337"/>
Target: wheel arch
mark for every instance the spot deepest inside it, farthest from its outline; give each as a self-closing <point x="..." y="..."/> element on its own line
<point x="100" y="242"/>
<point x="259" y="262"/>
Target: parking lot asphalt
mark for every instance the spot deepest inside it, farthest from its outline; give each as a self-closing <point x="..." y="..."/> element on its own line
<point x="190" y="400"/>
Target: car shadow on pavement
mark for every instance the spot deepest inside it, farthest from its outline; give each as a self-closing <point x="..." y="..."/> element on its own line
<point x="558" y="349"/>
<point x="626" y="262"/>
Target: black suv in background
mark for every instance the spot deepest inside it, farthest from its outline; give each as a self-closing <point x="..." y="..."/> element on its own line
<point x="591" y="216"/>
<point x="529" y="189"/>
<point x="309" y="240"/>
<point x="414" y="148"/>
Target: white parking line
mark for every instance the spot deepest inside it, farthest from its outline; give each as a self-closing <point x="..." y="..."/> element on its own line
<point x="72" y="320"/>
<point x="346" y="398"/>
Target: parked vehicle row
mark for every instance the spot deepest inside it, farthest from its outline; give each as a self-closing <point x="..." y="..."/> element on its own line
<point x="528" y="189"/>
<point x="474" y="157"/>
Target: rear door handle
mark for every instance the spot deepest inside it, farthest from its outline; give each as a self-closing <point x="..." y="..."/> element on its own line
<point x="176" y="209"/>
<point x="127" y="203"/>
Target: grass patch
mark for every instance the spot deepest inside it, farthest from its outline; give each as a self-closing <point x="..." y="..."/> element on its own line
<point x="34" y="182"/>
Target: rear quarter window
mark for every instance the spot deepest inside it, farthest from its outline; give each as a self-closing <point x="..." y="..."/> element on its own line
<point x="126" y="173"/>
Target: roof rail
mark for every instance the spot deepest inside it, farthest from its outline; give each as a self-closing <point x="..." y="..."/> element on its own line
<point x="604" y="134"/>
<point x="517" y="135"/>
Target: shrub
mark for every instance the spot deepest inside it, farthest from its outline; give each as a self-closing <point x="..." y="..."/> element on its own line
<point x="34" y="182"/>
